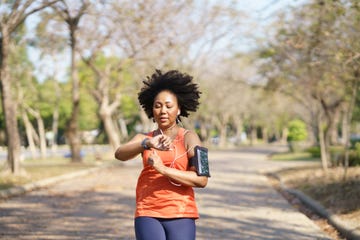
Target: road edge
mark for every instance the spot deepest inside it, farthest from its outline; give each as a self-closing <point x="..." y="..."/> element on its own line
<point x="23" y="189"/>
<point x="317" y="207"/>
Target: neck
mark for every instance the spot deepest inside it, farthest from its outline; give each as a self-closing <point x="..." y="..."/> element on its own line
<point x="167" y="131"/>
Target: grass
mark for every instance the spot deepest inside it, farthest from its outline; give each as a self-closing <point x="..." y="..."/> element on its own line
<point x="335" y="192"/>
<point x="298" y="156"/>
<point x="38" y="169"/>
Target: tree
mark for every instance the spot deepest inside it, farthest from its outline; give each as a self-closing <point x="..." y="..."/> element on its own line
<point x="11" y="18"/>
<point x="305" y="64"/>
<point x="351" y="58"/>
<point x="143" y="39"/>
<point x="105" y="93"/>
<point x="71" y="13"/>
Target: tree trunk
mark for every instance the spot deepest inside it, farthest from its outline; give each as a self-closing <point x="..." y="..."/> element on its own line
<point x="221" y="124"/>
<point x="55" y="122"/>
<point x="323" y="150"/>
<point x="146" y="123"/>
<point x="333" y="131"/>
<point x="284" y="135"/>
<point x="253" y="135"/>
<point x="204" y="135"/>
<point x="344" y="126"/>
<point x="110" y="129"/>
<point x="123" y="128"/>
<point x="54" y="128"/>
<point x="72" y="131"/>
<point x="8" y="105"/>
<point x="29" y="134"/>
<point x="348" y="117"/>
<point x="223" y="134"/>
<point x="239" y="128"/>
<point x="9" y="23"/>
<point x="265" y="135"/>
<point x="72" y="136"/>
<point x="41" y="131"/>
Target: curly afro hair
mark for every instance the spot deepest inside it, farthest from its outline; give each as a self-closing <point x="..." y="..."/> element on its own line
<point x="178" y="83"/>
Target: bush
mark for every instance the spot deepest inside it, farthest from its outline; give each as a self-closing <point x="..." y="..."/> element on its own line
<point x="354" y="160"/>
<point x="338" y="155"/>
<point x="354" y="141"/>
<point x="297" y="136"/>
<point x="354" y="156"/>
<point x="314" y="151"/>
<point x="297" y="131"/>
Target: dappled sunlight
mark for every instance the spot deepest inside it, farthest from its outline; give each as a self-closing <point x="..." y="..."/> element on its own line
<point x="238" y="203"/>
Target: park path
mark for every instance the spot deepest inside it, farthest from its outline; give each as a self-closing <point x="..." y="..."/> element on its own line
<point x="238" y="203"/>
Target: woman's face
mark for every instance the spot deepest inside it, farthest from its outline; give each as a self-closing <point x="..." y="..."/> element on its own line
<point x="165" y="109"/>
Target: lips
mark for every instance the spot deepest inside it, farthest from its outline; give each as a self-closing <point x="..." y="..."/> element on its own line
<point x="163" y="119"/>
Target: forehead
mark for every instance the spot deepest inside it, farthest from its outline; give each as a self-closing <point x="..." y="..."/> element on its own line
<point x="165" y="96"/>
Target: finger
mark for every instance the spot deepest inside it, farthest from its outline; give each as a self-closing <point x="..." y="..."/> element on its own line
<point x="166" y="141"/>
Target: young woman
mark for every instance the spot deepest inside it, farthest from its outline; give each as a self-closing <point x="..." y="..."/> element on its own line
<point x="165" y="201"/>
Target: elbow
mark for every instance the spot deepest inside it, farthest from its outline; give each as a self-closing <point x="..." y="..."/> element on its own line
<point x="119" y="156"/>
<point x="202" y="183"/>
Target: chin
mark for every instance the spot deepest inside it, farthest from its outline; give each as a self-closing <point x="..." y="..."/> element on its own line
<point x="165" y="124"/>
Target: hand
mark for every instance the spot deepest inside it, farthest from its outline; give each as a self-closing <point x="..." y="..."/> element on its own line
<point x="160" y="142"/>
<point x="155" y="161"/>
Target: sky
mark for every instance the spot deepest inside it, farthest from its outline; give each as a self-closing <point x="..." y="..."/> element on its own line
<point x="260" y="12"/>
<point x="263" y="10"/>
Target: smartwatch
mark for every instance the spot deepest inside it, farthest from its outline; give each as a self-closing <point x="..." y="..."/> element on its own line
<point x="144" y="145"/>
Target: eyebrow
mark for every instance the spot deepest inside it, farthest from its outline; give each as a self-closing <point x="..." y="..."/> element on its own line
<point x="168" y="101"/>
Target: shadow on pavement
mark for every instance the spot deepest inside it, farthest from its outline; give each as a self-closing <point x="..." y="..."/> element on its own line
<point x="80" y="215"/>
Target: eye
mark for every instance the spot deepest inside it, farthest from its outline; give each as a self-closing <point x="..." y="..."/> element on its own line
<point x="157" y="105"/>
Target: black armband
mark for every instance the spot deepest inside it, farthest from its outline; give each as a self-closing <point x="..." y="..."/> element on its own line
<point x="200" y="161"/>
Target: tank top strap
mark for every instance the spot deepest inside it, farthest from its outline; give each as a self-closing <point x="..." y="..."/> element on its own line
<point x="181" y="134"/>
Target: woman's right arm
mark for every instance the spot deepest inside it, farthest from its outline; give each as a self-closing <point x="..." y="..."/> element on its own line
<point x="130" y="149"/>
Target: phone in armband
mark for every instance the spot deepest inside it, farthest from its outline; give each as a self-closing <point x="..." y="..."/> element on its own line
<point x="200" y="161"/>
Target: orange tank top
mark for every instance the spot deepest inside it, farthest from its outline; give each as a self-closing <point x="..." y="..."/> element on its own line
<point x="158" y="196"/>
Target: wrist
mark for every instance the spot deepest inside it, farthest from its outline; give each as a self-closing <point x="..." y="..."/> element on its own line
<point x="144" y="144"/>
<point x="162" y="170"/>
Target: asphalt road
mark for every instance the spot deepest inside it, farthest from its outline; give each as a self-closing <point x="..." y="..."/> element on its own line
<point x="238" y="203"/>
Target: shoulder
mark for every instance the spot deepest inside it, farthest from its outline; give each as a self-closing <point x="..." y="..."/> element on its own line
<point x="190" y="135"/>
<point x="191" y="139"/>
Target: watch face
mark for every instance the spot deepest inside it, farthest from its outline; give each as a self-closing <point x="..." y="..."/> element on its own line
<point x="143" y="143"/>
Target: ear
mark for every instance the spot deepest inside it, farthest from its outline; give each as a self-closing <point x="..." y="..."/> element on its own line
<point x="178" y="113"/>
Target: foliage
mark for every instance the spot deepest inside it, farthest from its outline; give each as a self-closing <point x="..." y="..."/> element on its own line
<point x="354" y="141"/>
<point x="354" y="158"/>
<point x="88" y="118"/>
<point x="297" y="130"/>
<point x="338" y="155"/>
<point x="298" y="156"/>
<point x="314" y="151"/>
<point x="129" y="107"/>
<point x="356" y="114"/>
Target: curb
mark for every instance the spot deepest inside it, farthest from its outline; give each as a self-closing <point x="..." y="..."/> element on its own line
<point x="20" y="190"/>
<point x="334" y="220"/>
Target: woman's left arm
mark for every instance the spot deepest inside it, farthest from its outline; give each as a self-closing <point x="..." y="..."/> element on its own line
<point x="190" y="177"/>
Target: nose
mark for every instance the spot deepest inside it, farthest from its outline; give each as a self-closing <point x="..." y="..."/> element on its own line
<point x="163" y="109"/>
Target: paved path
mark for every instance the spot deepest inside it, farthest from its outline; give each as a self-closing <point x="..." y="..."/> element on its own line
<point x="238" y="203"/>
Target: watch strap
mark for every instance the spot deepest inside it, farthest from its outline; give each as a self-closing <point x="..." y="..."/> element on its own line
<point x="144" y="145"/>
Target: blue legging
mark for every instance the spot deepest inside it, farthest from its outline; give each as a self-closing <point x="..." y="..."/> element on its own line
<point x="148" y="228"/>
